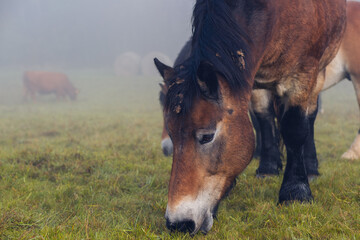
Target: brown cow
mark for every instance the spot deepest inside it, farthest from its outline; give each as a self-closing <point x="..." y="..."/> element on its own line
<point x="48" y="83"/>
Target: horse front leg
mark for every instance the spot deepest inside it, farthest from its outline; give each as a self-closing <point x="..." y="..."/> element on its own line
<point x="263" y="107"/>
<point x="295" y="129"/>
<point x="354" y="151"/>
<point x="310" y="156"/>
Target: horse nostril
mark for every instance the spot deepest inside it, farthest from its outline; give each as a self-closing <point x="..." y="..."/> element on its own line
<point x="184" y="226"/>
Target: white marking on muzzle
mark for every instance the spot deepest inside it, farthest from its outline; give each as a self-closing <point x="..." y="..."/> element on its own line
<point x="199" y="209"/>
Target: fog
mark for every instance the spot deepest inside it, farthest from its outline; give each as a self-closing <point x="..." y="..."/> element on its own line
<point x="89" y="33"/>
<point x="86" y="35"/>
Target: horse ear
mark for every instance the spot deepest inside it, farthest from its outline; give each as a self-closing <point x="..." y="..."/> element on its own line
<point x="165" y="71"/>
<point x="207" y="80"/>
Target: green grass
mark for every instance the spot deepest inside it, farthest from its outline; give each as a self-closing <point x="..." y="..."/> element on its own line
<point x="94" y="169"/>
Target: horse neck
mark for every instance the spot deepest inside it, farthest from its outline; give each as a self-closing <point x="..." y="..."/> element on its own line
<point x="254" y="27"/>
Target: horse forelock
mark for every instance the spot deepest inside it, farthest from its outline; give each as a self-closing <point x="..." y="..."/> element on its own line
<point x="216" y="39"/>
<point x="182" y="89"/>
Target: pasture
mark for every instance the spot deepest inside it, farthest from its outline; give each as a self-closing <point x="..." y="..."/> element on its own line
<point x="93" y="169"/>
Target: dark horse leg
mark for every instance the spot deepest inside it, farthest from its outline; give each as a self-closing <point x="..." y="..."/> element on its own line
<point x="270" y="161"/>
<point x="270" y="157"/>
<point x="310" y="157"/>
<point x="295" y="129"/>
<point x="256" y="127"/>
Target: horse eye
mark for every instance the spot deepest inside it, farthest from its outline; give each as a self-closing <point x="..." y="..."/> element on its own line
<point x="206" y="138"/>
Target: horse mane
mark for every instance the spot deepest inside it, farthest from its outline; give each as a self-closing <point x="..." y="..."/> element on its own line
<point x="218" y="40"/>
<point x="184" y="53"/>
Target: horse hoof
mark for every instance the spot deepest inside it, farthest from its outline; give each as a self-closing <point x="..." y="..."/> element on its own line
<point x="292" y="192"/>
<point x="268" y="171"/>
<point x="350" y="155"/>
<point x="263" y="176"/>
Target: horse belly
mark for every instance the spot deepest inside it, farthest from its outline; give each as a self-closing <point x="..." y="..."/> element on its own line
<point x="335" y="71"/>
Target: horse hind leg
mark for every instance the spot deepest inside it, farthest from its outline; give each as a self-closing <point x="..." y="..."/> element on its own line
<point x="32" y="95"/>
<point x="256" y="126"/>
<point x="354" y="151"/>
<point x="25" y="95"/>
<point x="263" y="107"/>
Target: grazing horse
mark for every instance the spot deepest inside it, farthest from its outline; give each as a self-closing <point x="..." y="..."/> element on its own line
<point x="279" y="45"/>
<point x="36" y="82"/>
<point x="345" y="65"/>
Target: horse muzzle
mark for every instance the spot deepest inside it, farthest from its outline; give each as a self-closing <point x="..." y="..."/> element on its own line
<point x="189" y="219"/>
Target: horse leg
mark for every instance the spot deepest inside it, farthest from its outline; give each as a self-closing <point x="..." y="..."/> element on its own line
<point x="321" y="109"/>
<point x="295" y="129"/>
<point x="256" y="127"/>
<point x="25" y="95"/>
<point x="270" y="162"/>
<point x="60" y="95"/>
<point x="310" y="157"/>
<point x="354" y="151"/>
<point x="33" y="96"/>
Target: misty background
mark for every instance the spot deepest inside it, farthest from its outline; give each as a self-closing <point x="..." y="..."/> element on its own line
<point x="89" y="33"/>
<point x="71" y="36"/>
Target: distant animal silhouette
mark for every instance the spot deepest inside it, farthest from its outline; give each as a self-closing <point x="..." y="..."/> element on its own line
<point x="43" y="83"/>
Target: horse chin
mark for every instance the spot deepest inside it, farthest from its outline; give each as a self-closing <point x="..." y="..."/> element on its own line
<point x="167" y="146"/>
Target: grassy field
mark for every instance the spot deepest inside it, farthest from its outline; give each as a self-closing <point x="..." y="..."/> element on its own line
<point x="94" y="169"/>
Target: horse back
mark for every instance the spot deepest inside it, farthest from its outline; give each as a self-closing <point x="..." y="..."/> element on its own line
<point x="46" y="82"/>
<point x="301" y="36"/>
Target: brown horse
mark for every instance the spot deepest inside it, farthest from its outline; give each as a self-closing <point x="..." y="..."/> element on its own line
<point x="36" y="82"/>
<point x="277" y="45"/>
<point x="346" y="65"/>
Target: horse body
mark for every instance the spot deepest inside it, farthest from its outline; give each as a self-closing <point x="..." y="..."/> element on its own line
<point x="347" y="61"/>
<point x="346" y="64"/>
<point x="280" y="46"/>
<point x="291" y="60"/>
<point x="36" y="82"/>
